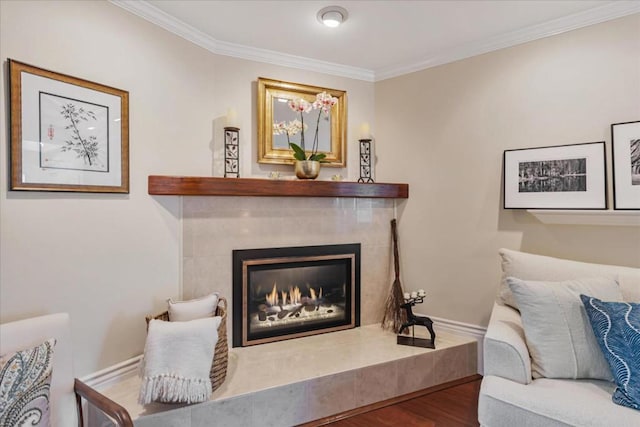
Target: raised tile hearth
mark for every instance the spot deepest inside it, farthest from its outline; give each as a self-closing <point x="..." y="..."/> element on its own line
<point x="290" y="382"/>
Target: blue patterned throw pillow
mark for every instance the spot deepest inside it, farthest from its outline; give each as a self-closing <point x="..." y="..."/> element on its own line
<point x="25" y="380"/>
<point x="617" y="329"/>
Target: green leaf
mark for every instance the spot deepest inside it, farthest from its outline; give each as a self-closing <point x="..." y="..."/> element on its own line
<point x="298" y="153"/>
<point x="318" y="157"/>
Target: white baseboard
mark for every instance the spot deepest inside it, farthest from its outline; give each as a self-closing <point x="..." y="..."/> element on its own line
<point x="113" y="374"/>
<point x="466" y="329"/>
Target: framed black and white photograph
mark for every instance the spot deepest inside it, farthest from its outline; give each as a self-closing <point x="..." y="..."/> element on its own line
<point x="67" y="134"/>
<point x="559" y="177"/>
<point x="625" y="149"/>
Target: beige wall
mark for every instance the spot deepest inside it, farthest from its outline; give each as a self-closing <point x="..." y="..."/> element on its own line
<point x="111" y="259"/>
<point x="443" y="130"/>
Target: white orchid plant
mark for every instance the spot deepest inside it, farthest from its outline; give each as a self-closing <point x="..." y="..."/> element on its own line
<point x="323" y="103"/>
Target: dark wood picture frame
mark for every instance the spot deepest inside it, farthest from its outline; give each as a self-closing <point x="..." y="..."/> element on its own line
<point x="67" y="134"/>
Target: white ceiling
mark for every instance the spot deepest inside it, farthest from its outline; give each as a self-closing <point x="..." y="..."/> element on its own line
<point x="380" y="39"/>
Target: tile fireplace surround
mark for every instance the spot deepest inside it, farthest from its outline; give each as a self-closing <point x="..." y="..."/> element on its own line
<point x="214" y="226"/>
<point x="294" y="381"/>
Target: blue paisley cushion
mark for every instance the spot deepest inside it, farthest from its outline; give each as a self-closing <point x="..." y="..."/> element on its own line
<point x="25" y="380"/>
<point x="617" y="329"/>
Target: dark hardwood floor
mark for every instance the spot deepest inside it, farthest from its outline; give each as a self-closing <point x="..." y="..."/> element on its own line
<point x="455" y="406"/>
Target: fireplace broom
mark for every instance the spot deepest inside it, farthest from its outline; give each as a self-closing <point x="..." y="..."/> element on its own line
<point x="394" y="315"/>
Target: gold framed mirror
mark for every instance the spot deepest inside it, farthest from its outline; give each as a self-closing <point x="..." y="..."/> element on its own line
<point x="273" y="98"/>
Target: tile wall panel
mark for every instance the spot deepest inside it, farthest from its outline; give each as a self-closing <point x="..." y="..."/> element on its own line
<point x="214" y="226"/>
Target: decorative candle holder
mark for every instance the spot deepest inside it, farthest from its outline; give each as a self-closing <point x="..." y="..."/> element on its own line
<point x="231" y="152"/>
<point x="366" y="161"/>
<point x="412" y="320"/>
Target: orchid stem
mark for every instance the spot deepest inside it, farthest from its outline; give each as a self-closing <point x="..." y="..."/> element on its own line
<point x="302" y="132"/>
<point x="314" y="149"/>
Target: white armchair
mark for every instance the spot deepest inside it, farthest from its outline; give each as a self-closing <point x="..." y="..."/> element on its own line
<point x="66" y="392"/>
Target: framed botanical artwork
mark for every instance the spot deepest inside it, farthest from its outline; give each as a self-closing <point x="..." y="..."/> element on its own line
<point x="560" y="177"/>
<point x="625" y="150"/>
<point x="67" y="134"/>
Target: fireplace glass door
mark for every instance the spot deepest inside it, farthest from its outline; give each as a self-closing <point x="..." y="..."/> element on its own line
<point x="284" y="293"/>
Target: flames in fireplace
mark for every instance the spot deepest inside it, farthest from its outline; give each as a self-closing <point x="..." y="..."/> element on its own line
<point x="280" y="308"/>
<point x="313" y="294"/>
<point x="293" y="296"/>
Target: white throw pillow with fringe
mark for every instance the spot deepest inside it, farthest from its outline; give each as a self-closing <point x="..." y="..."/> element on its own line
<point x="177" y="361"/>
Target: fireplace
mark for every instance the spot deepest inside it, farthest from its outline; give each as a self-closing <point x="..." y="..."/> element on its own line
<point x="283" y="293"/>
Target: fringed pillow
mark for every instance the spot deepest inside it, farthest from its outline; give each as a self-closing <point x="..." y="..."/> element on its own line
<point x="177" y="361"/>
<point x="25" y="381"/>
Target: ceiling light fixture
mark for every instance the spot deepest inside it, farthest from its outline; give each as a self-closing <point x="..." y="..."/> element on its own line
<point x="332" y="16"/>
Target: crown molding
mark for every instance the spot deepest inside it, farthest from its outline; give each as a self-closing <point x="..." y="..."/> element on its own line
<point x="162" y="19"/>
<point x="147" y="11"/>
<point x="293" y="61"/>
<point x="616" y="9"/>
<point x="158" y="17"/>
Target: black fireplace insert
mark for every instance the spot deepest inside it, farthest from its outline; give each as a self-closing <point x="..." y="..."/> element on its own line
<point x="283" y="293"/>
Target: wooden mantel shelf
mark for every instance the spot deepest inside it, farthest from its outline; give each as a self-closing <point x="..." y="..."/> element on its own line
<point x="212" y="186"/>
